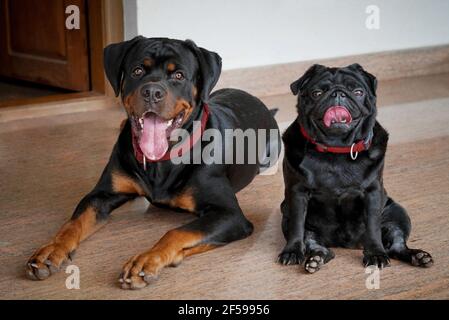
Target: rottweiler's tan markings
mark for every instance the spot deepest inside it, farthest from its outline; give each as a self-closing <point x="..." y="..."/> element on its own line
<point x="185" y="201"/>
<point x="180" y="106"/>
<point x="124" y="184"/>
<point x="171" y="67"/>
<point x="49" y="258"/>
<point x="148" y="62"/>
<point x="170" y="250"/>
<point x="122" y="124"/>
<point x="128" y="102"/>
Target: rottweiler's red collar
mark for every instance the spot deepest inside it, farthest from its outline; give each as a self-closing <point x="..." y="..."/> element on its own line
<point x="194" y="137"/>
<point x="353" y="150"/>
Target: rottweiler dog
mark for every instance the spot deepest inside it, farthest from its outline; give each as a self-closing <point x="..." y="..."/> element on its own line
<point x="333" y="166"/>
<point x="165" y="84"/>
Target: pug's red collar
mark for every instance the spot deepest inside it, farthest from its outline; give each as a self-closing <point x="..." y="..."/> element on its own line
<point x="191" y="141"/>
<point x="353" y="150"/>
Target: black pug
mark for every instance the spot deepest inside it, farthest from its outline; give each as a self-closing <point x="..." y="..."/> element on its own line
<point x="333" y="165"/>
<point x="165" y="84"/>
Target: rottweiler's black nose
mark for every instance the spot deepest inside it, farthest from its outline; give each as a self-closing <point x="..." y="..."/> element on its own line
<point x="154" y="93"/>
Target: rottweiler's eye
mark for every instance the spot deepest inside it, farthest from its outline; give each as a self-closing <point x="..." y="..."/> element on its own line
<point x="178" y="75"/>
<point x="358" y="92"/>
<point x="317" y="93"/>
<point x="137" y="72"/>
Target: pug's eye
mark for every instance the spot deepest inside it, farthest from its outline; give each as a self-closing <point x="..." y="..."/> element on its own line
<point x="317" y="93"/>
<point x="178" y="75"/>
<point x="137" y="72"/>
<point x="358" y="92"/>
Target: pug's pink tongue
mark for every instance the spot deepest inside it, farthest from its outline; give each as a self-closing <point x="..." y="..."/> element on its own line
<point x="336" y="114"/>
<point x="153" y="141"/>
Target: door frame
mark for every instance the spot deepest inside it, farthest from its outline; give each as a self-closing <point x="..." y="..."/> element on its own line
<point x="105" y="25"/>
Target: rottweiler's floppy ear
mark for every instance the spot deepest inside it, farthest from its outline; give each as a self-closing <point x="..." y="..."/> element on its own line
<point x="113" y="56"/>
<point x="296" y="86"/>
<point x="371" y="80"/>
<point x="210" y="69"/>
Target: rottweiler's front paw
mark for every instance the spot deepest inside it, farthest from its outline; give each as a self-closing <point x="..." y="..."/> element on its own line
<point x="420" y="258"/>
<point x="46" y="261"/>
<point x="379" y="260"/>
<point x="291" y="255"/>
<point x="140" y="271"/>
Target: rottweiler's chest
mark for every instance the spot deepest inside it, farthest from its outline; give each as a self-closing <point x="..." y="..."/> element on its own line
<point x="169" y="189"/>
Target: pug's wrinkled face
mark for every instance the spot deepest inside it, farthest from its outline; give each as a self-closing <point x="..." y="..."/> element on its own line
<point x="336" y="106"/>
<point x="162" y="83"/>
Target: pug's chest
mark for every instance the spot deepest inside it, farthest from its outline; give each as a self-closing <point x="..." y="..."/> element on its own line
<point x="334" y="174"/>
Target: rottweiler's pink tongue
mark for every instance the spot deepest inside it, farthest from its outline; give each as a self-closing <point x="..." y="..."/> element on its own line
<point x="153" y="141"/>
<point x="336" y="114"/>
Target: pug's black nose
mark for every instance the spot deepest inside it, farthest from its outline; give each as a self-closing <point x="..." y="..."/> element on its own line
<point x="339" y="94"/>
<point x="153" y="93"/>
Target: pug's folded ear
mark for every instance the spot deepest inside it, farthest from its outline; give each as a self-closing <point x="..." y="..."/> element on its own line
<point x="371" y="79"/>
<point x="210" y="69"/>
<point x="299" y="84"/>
<point x="113" y="57"/>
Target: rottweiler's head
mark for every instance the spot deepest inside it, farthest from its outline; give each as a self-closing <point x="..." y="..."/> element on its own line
<point x="336" y="106"/>
<point x="163" y="83"/>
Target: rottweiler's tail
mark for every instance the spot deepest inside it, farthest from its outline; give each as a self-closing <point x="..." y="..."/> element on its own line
<point x="273" y="111"/>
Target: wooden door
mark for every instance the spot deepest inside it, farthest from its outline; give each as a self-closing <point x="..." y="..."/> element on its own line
<point x="35" y="44"/>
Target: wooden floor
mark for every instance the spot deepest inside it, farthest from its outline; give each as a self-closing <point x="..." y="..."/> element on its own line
<point x="48" y="164"/>
<point x="13" y="89"/>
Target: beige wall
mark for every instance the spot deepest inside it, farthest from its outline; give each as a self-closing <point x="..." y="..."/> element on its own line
<point x="250" y="33"/>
